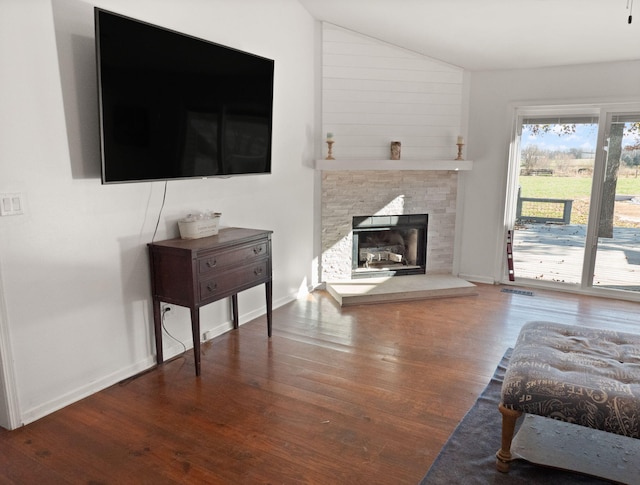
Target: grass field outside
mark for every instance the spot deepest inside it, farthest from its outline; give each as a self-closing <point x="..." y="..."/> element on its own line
<point x="546" y="187"/>
<point x="578" y="189"/>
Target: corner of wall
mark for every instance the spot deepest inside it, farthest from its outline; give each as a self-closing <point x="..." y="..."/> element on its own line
<point x="9" y="405"/>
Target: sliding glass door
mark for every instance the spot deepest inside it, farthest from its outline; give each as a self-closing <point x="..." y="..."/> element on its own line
<point x="573" y="200"/>
<point x="617" y="252"/>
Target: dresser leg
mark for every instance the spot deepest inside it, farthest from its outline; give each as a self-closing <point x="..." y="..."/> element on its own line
<point x="234" y="311"/>
<point x="195" y="331"/>
<point x="157" y="325"/>
<point x="269" y="290"/>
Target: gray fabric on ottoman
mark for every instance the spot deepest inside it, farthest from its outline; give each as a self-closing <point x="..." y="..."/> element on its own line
<point x="579" y="375"/>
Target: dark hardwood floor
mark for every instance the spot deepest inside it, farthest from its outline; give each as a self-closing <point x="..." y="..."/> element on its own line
<point x="362" y="395"/>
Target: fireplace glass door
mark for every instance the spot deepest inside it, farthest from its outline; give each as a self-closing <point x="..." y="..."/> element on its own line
<point x="393" y="245"/>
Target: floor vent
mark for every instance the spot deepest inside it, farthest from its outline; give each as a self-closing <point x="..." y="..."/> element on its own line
<point x="517" y="292"/>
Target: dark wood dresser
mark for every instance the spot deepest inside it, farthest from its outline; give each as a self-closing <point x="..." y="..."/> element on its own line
<point x="195" y="272"/>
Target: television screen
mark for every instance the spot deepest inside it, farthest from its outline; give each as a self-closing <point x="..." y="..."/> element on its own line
<point x="174" y="106"/>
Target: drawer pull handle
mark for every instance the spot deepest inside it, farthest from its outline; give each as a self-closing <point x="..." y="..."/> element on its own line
<point x="257" y="250"/>
<point x="257" y="271"/>
<point x="211" y="263"/>
<point x="212" y="286"/>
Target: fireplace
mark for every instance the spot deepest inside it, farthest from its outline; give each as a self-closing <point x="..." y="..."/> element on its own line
<point x="346" y="194"/>
<point x="389" y="245"/>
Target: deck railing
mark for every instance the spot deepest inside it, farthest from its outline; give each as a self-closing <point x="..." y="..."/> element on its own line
<point x="532" y="209"/>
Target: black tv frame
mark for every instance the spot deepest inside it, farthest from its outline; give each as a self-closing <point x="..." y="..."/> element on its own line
<point x="195" y="119"/>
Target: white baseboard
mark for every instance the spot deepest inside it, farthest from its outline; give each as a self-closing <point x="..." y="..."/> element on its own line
<point x="42" y="410"/>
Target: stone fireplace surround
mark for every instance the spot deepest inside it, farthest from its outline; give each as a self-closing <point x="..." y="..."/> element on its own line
<point x="348" y="193"/>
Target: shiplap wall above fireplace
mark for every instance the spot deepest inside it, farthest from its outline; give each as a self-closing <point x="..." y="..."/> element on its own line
<point x="374" y="93"/>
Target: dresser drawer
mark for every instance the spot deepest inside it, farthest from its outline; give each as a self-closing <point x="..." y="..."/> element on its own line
<point x="216" y="260"/>
<point x="234" y="280"/>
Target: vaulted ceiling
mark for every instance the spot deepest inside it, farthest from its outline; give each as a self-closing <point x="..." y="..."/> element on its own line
<point x="495" y="34"/>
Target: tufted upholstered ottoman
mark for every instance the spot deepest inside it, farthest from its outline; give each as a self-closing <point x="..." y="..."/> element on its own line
<point x="585" y="376"/>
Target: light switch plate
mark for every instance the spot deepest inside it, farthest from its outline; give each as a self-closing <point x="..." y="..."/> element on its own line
<point x="11" y="204"/>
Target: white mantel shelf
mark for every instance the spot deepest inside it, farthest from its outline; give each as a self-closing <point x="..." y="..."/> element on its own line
<point x="363" y="164"/>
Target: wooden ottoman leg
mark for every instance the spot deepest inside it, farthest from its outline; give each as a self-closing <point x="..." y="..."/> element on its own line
<point x="509" y="418"/>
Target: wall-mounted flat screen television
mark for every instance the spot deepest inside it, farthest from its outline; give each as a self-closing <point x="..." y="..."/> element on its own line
<point x="173" y="106"/>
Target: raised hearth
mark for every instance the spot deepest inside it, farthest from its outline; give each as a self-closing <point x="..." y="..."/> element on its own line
<point x="393" y="289"/>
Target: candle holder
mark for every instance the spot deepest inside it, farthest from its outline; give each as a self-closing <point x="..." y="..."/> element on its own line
<point x="330" y="152"/>
<point x="460" y="145"/>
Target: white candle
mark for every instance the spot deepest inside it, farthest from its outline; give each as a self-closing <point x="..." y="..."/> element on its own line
<point x="329" y="136"/>
<point x="460" y="141"/>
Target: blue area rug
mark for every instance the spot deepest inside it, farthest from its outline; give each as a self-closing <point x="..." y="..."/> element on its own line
<point x="468" y="457"/>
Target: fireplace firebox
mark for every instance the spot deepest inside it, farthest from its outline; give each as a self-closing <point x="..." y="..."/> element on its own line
<point x="392" y="245"/>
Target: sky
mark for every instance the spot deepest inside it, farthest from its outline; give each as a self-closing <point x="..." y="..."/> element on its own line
<point x="585" y="137"/>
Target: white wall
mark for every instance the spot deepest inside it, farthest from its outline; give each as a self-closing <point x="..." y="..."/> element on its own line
<point x="374" y="93"/>
<point x="492" y="97"/>
<point x="75" y="295"/>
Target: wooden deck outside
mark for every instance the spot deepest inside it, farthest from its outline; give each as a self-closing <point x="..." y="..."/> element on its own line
<point x="555" y="252"/>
